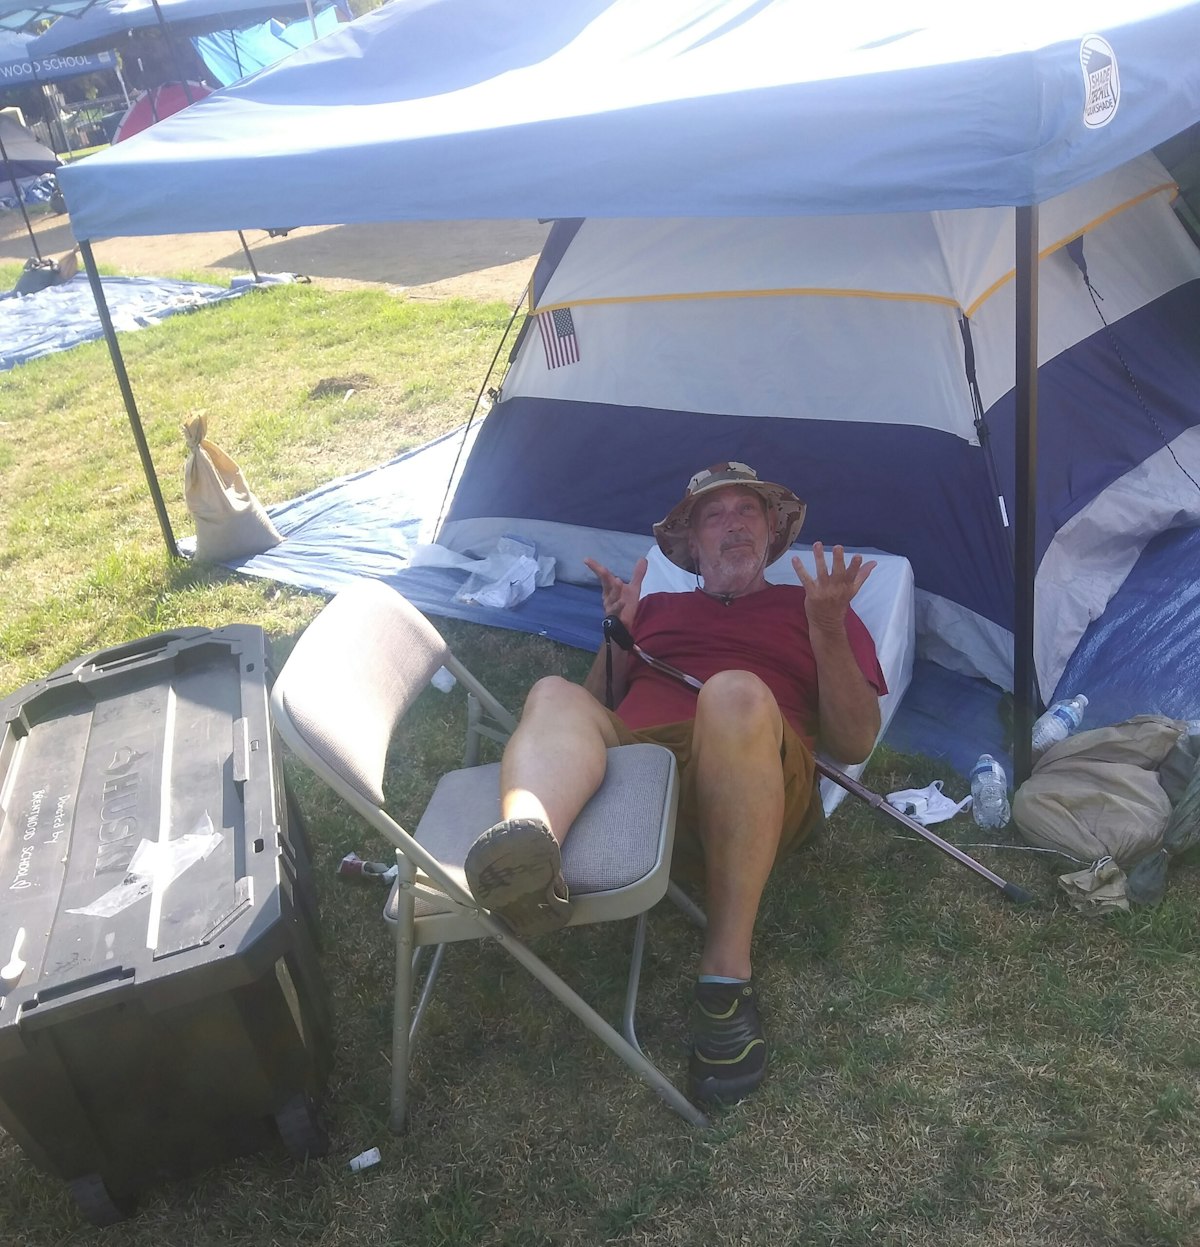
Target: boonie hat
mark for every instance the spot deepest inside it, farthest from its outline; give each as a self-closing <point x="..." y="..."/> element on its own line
<point x="785" y="512"/>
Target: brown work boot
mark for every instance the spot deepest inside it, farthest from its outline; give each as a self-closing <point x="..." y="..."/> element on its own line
<point x="515" y="870"/>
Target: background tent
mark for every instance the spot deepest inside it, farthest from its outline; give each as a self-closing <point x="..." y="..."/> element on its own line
<point x="21" y="157"/>
<point x="151" y="107"/>
<point x="690" y="108"/>
<point x="26" y="157"/>
<point x="232" y="55"/>
<point x="107" y="23"/>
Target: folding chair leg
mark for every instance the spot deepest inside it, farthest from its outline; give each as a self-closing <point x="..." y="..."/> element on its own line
<point x="649" y="1073"/>
<point x="402" y="1008"/>
<point x="426" y="990"/>
<point x="685" y="903"/>
<point x="635" y="980"/>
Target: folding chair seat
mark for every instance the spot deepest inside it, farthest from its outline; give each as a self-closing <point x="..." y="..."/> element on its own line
<point x="352" y="676"/>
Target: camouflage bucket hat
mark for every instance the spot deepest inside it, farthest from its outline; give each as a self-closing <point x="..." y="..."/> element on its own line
<point x="785" y="512"/>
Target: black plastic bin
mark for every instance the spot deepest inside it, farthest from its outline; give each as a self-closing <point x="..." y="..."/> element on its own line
<point x="161" y="1002"/>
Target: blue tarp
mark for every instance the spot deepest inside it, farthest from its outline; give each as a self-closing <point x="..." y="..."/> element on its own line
<point x="235" y="54"/>
<point x="564" y="108"/>
<point x="63" y="316"/>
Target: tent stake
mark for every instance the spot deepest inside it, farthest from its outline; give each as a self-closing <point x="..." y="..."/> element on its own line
<point x="1025" y="694"/>
<point x="135" y="421"/>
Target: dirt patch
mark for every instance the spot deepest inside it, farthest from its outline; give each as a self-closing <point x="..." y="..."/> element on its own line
<point x="483" y="260"/>
<point x="343" y="387"/>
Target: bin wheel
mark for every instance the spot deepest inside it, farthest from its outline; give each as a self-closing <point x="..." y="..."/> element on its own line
<point x="300" y="1128"/>
<point x="97" y="1203"/>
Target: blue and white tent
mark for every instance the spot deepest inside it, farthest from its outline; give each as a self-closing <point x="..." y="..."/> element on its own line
<point x="833" y="353"/>
<point x="797" y="248"/>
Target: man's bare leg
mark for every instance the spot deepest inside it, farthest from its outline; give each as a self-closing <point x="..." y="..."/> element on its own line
<point x="739" y="788"/>
<point x="552" y="765"/>
<point x="556" y="758"/>
<point x="739" y="792"/>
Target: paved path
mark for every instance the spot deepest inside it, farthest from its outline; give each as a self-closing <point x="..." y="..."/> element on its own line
<point x="429" y="259"/>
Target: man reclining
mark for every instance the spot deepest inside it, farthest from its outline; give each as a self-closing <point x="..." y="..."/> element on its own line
<point x="782" y="666"/>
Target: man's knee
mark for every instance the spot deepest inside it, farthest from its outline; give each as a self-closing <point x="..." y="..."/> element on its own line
<point x="737" y="698"/>
<point x="558" y="704"/>
<point x="554" y="696"/>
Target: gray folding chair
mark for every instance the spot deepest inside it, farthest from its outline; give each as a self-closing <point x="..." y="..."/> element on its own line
<point x="353" y="674"/>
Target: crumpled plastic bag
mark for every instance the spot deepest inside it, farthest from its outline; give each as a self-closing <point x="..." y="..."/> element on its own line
<point x="506" y="577"/>
<point x="927" y="805"/>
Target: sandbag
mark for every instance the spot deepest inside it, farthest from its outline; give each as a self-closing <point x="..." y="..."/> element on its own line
<point x="1097" y="794"/>
<point x="230" y="521"/>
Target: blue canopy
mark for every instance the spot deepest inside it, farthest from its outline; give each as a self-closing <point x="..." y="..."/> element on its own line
<point x="105" y="24"/>
<point x="560" y="108"/>
<point x="24" y="14"/>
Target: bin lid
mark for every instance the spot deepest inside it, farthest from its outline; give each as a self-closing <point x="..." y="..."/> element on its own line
<point x="138" y="815"/>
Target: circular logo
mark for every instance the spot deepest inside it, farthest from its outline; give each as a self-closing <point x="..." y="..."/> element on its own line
<point x="1101" y="82"/>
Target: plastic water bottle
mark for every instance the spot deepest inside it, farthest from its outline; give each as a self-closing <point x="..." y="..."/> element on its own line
<point x="989" y="794"/>
<point x="1063" y="718"/>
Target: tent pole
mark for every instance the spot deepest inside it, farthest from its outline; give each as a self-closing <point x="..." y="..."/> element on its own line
<point x="1025" y="694"/>
<point x="51" y="110"/>
<point x="121" y="80"/>
<point x="249" y="257"/>
<point x="135" y="421"/>
<point x="164" y="30"/>
<point x="12" y="177"/>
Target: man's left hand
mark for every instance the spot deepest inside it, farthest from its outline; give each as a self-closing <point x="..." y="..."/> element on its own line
<point x="828" y="595"/>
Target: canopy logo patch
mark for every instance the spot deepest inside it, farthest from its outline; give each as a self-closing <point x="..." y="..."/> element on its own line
<point x="1101" y="82"/>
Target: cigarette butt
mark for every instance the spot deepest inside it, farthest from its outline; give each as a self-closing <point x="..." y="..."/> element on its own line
<point x="364" y="1160"/>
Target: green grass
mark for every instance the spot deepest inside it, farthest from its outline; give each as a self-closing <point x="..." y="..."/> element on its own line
<point x="80" y="551"/>
<point x="947" y="1068"/>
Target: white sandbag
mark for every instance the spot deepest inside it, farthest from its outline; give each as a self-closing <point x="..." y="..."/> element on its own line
<point x="230" y="521"/>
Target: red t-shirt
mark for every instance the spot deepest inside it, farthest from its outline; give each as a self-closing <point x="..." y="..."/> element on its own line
<point x="764" y="632"/>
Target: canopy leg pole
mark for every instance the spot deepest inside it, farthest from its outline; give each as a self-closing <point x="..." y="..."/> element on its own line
<point x="249" y="257"/>
<point x="1025" y="691"/>
<point x="12" y="177"/>
<point x="52" y="117"/>
<point x="121" y="80"/>
<point x="165" y="31"/>
<point x="135" y="421"/>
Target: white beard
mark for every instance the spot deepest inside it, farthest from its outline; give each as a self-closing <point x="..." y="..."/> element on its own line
<point x="735" y="569"/>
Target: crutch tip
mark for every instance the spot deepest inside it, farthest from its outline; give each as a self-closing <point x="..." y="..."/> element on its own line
<point x="1014" y="892"/>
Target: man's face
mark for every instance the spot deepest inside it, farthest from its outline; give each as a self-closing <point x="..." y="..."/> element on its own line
<point x="728" y="536"/>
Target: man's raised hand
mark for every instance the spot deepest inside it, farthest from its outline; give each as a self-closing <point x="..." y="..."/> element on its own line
<point x="828" y="594"/>
<point x="620" y="598"/>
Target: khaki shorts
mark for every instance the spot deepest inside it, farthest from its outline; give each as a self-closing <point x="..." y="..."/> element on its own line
<point x="800" y="795"/>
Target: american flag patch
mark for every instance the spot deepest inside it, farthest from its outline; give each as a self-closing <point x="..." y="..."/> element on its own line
<point x="558" y="337"/>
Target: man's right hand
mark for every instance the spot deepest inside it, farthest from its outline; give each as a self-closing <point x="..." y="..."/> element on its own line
<point x="620" y="597"/>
